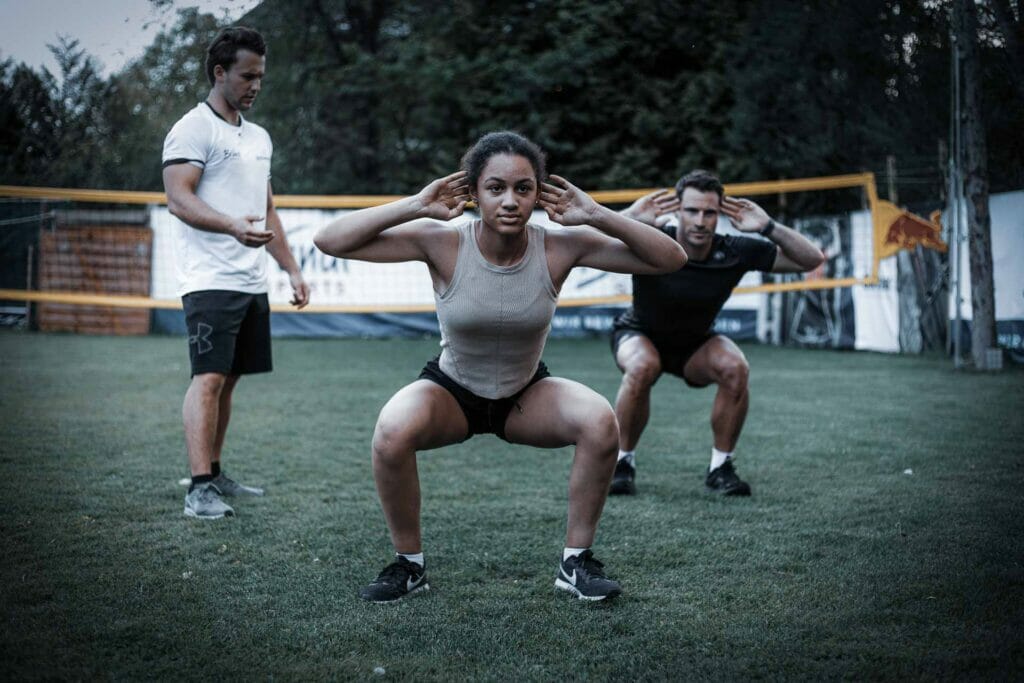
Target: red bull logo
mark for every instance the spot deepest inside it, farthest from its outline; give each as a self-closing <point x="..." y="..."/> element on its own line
<point x="908" y="231"/>
<point x="901" y="229"/>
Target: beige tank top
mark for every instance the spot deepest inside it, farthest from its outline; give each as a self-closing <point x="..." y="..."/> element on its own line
<point x="495" y="319"/>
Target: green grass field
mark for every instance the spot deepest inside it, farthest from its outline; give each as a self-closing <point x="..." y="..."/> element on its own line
<point x="884" y="539"/>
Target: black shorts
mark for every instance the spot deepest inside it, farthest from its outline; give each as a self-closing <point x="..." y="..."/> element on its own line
<point x="484" y="415"/>
<point x="228" y="332"/>
<point x="675" y="352"/>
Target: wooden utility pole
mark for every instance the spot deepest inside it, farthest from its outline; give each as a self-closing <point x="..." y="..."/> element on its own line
<point x="984" y="353"/>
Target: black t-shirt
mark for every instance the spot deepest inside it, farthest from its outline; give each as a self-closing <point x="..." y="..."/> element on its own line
<point x="684" y="303"/>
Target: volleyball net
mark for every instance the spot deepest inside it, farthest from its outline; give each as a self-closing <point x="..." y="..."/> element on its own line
<point x="76" y="253"/>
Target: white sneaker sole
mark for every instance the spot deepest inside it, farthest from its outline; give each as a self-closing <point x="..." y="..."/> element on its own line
<point x="189" y="512"/>
<point x="566" y="586"/>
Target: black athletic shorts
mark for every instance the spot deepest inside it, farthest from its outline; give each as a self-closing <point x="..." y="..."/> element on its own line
<point x="484" y="415"/>
<point x="675" y="352"/>
<point x="228" y="332"/>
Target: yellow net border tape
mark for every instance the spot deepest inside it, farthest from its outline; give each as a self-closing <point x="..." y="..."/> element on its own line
<point x="313" y="201"/>
<point x="864" y="180"/>
<point x="120" y="301"/>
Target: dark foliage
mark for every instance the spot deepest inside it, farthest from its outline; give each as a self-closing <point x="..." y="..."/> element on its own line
<point x="378" y="96"/>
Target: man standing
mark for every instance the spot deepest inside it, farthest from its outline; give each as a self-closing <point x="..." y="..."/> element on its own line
<point x="216" y="170"/>
<point x="669" y="326"/>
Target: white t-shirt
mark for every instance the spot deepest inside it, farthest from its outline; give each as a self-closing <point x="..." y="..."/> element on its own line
<point x="236" y="170"/>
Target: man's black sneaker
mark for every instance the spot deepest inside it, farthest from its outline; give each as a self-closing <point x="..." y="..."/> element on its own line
<point x="622" y="480"/>
<point x="396" y="581"/>
<point x="582" y="576"/>
<point x="723" y="480"/>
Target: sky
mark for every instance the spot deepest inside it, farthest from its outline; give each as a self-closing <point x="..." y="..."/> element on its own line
<point x="113" y="31"/>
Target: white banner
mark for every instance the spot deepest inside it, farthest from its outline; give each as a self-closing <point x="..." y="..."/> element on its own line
<point x="876" y="308"/>
<point x="1007" y="215"/>
<point x="347" y="282"/>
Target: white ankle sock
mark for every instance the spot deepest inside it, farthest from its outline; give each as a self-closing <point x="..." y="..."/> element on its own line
<point x="569" y="552"/>
<point x="718" y="458"/>
<point x="413" y="557"/>
<point x="629" y="456"/>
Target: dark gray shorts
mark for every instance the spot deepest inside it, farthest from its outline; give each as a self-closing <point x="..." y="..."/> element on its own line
<point x="675" y="353"/>
<point x="228" y="332"/>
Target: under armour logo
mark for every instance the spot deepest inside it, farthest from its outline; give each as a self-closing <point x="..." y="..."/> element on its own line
<point x="718" y="255"/>
<point x="201" y="338"/>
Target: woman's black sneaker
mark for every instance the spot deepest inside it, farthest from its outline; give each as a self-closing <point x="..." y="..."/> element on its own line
<point x="396" y="581"/>
<point x="583" y="576"/>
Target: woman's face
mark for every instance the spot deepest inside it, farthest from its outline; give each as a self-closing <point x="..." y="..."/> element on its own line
<point x="507" y="192"/>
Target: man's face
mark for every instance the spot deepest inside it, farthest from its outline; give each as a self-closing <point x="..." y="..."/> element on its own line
<point x="698" y="218"/>
<point x="241" y="83"/>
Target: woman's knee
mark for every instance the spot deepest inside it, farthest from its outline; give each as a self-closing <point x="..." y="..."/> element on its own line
<point x="392" y="439"/>
<point x="601" y="428"/>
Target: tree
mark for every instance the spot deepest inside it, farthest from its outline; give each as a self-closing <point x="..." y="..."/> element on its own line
<point x="1012" y="33"/>
<point x="26" y="113"/>
<point x="983" y="324"/>
<point x="150" y="94"/>
<point x="376" y="96"/>
<point x="54" y="127"/>
<point x="825" y="87"/>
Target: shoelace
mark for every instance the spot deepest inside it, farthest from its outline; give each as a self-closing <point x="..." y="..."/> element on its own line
<point x="727" y="472"/>
<point x="209" y="494"/>
<point x="590" y="564"/>
<point x="400" y="569"/>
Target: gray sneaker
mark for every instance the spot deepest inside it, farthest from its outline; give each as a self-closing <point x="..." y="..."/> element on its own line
<point x="230" y="487"/>
<point x="203" y="502"/>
